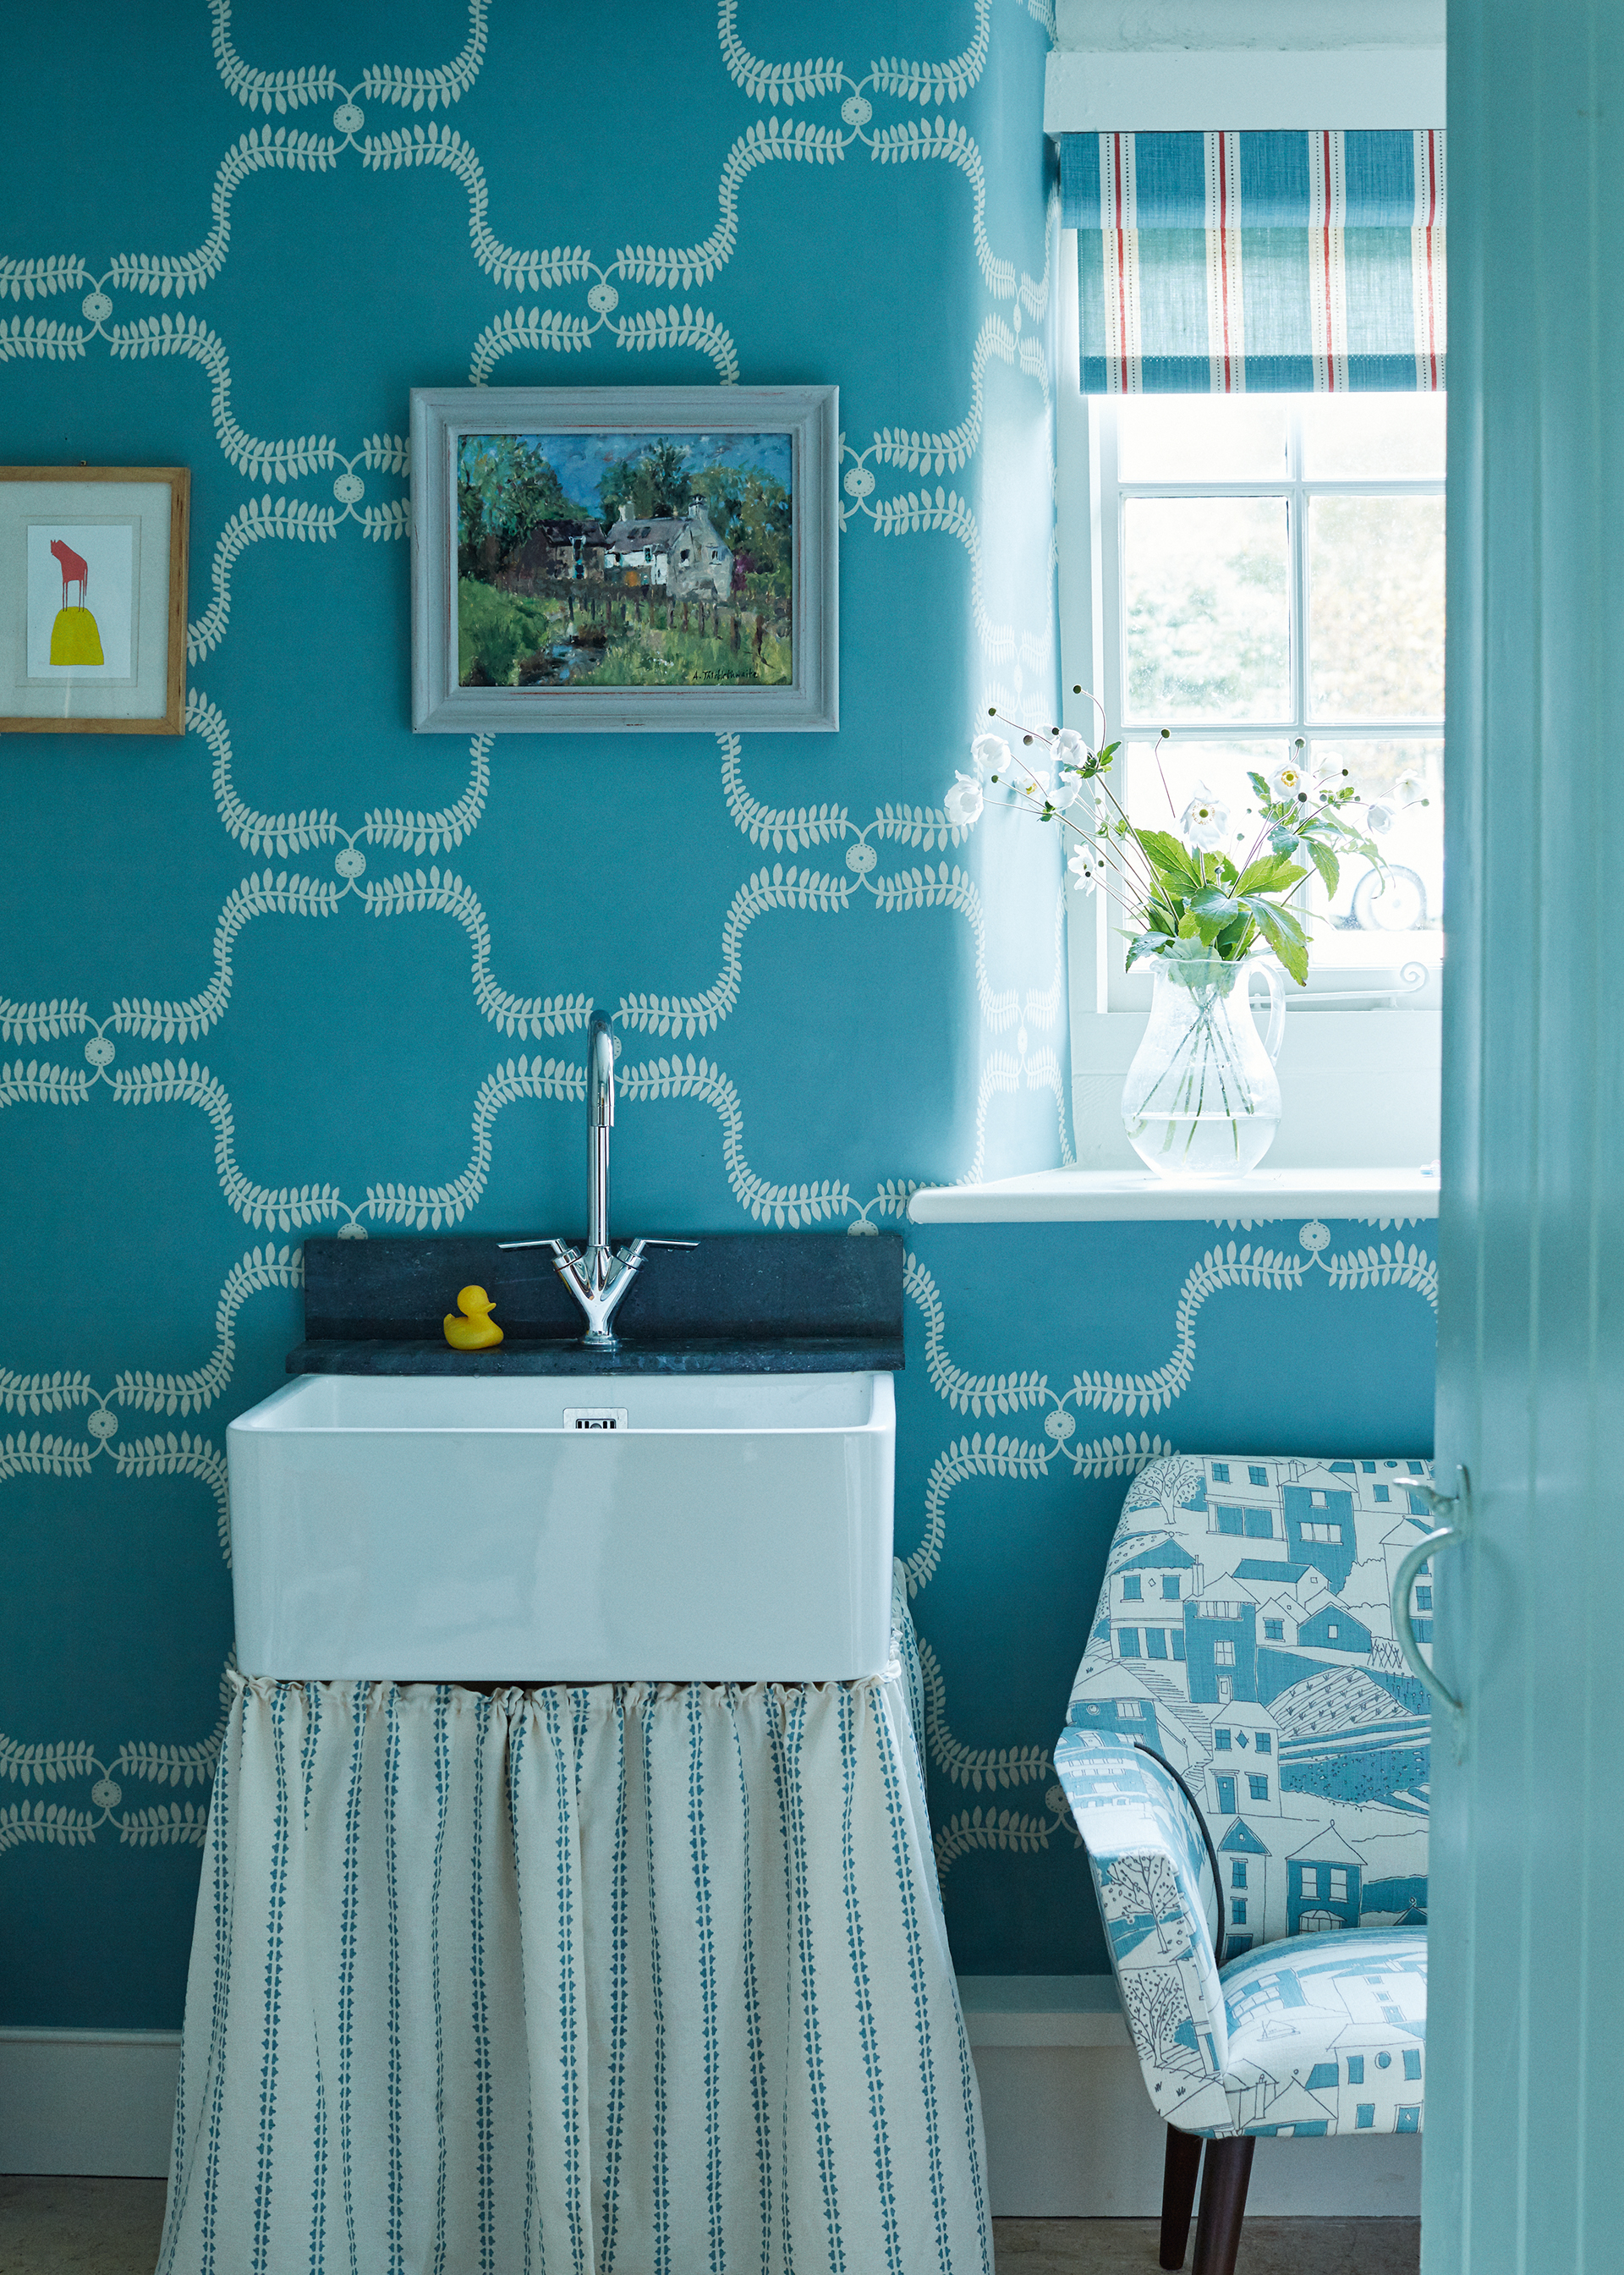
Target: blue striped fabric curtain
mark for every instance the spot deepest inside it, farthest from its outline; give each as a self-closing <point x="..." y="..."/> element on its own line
<point x="1226" y="263"/>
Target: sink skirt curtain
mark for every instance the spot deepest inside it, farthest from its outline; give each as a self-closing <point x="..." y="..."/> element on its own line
<point x="573" y="1978"/>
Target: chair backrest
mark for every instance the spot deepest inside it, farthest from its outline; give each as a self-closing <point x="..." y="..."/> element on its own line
<point x="1244" y="1632"/>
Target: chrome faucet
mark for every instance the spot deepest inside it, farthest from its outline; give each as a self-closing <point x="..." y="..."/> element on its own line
<point x="597" y="1276"/>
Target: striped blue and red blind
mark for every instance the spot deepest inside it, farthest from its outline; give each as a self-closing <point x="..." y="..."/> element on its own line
<point x="1226" y="263"/>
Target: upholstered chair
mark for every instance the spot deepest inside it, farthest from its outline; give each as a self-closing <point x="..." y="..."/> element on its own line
<point x="1246" y="1758"/>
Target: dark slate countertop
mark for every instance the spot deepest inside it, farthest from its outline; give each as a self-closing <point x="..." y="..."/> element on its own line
<point x="738" y="1303"/>
<point x="790" y="1355"/>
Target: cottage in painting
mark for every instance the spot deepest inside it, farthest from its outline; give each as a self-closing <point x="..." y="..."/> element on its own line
<point x="684" y="555"/>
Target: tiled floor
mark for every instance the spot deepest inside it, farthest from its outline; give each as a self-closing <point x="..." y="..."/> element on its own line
<point x="110" y="2227"/>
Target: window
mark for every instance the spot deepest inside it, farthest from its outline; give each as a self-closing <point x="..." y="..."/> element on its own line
<point x="1221" y="1741"/>
<point x="1170" y="1591"/>
<point x="1355" y="2069"/>
<point x="1229" y="1521"/>
<point x="1130" y="1588"/>
<point x="1380" y="1493"/>
<point x="1339" y="1884"/>
<point x="1259" y="1524"/>
<point x="1259" y="1787"/>
<point x="1423" y="1599"/>
<point x="1365" y="2115"/>
<point x="1237" y="1873"/>
<point x="1329" y="1535"/>
<point x="1264" y="1741"/>
<point x="1127" y="1642"/>
<point x="1237" y="1911"/>
<point x="1223" y="1654"/>
<point x="1156" y="1641"/>
<point x="1412" y="2061"/>
<point x="1220" y="1473"/>
<point x="1245" y="571"/>
<point x="1256" y="1474"/>
<point x="1274" y="1630"/>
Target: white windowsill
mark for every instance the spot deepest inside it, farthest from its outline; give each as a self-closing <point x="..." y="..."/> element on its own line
<point x="1119" y="1197"/>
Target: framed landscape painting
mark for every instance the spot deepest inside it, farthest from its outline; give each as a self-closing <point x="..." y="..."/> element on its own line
<point x="604" y="559"/>
<point x="92" y="600"/>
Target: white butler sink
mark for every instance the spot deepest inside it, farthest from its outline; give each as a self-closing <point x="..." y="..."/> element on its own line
<point x="558" y="1528"/>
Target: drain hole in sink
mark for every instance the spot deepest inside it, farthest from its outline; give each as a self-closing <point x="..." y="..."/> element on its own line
<point x="596" y="1417"/>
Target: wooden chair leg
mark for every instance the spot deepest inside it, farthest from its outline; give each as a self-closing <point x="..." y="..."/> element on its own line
<point x="1178" y="2193"/>
<point x="1223" y="2204"/>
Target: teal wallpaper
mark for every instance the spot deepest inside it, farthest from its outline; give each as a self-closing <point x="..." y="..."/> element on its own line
<point x="300" y="970"/>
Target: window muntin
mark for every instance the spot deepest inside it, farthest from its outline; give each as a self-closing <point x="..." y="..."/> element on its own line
<point x="1272" y="570"/>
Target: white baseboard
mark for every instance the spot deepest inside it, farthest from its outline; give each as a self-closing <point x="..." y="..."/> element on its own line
<point x="87" y="2101"/>
<point x="1070" y="2131"/>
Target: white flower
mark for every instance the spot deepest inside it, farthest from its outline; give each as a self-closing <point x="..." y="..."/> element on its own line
<point x="1068" y="747"/>
<point x="964" y="802"/>
<point x="1379" y="820"/>
<point x="1067" y="790"/>
<point x="1086" y="866"/>
<point x="1290" y="784"/>
<point x="990" y="754"/>
<point x="1204" y="823"/>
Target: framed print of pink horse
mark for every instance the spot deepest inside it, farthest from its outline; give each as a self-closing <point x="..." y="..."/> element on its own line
<point x="93" y="599"/>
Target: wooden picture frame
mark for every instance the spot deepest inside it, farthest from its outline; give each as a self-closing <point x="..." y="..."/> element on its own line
<point x="111" y="662"/>
<point x="624" y="559"/>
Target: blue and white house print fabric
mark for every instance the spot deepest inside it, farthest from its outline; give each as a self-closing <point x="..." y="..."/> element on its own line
<point x="1244" y="1636"/>
<point x="616" y="1976"/>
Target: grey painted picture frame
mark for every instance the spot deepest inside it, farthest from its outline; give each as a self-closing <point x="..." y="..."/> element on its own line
<point x="718" y="585"/>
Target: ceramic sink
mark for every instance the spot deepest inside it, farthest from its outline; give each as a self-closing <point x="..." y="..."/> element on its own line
<point x="565" y="1527"/>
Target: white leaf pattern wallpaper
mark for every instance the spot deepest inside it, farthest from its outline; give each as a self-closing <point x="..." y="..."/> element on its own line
<point x="300" y="970"/>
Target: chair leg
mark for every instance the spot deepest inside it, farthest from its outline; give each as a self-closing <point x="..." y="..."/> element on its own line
<point x="1178" y="2193"/>
<point x="1223" y="2204"/>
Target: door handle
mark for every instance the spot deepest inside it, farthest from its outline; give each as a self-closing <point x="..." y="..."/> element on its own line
<point x="1455" y="1512"/>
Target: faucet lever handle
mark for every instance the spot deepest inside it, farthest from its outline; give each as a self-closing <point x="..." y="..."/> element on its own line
<point x="549" y="1241"/>
<point x="648" y="1242"/>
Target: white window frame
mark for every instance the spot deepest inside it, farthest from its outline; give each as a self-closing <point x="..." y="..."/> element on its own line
<point x="1359" y="1066"/>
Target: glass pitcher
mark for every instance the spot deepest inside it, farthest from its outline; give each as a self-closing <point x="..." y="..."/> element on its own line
<point x="1201" y="1099"/>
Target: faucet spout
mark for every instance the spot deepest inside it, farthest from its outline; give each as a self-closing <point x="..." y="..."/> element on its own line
<point x="600" y="1121"/>
<point x="595" y="1276"/>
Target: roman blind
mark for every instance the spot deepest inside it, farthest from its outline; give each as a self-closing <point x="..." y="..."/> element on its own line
<point x="1226" y="263"/>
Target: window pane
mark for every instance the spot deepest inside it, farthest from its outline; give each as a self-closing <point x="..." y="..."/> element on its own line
<point x="1376" y="625"/>
<point x="1369" y="921"/>
<point x="1204" y="581"/>
<point x="1200" y="438"/>
<point x="1365" y="438"/>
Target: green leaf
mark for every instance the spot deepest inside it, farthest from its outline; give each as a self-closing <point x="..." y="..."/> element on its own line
<point x="1259" y="785"/>
<point x="1146" y="943"/>
<point x="1213" y="901"/>
<point x="1329" y="866"/>
<point x="1288" y="944"/>
<point x="1273" y="874"/>
<point x="1167" y="854"/>
<point x="1282" y="842"/>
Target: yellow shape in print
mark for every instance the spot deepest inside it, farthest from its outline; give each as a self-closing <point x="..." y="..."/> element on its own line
<point x="75" y="638"/>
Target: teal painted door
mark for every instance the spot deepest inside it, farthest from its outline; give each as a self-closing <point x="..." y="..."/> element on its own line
<point x="1526" y="2078"/>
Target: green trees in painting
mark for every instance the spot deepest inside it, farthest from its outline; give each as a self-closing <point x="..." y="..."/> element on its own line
<point x="652" y="485"/>
<point x="503" y="488"/>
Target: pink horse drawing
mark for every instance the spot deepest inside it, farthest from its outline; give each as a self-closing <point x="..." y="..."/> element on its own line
<point x="75" y="570"/>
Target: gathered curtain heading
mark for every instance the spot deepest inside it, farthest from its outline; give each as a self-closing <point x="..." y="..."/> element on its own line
<point x="1226" y="263"/>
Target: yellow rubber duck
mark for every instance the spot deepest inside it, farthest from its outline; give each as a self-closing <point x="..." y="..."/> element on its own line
<point x="476" y="1330"/>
